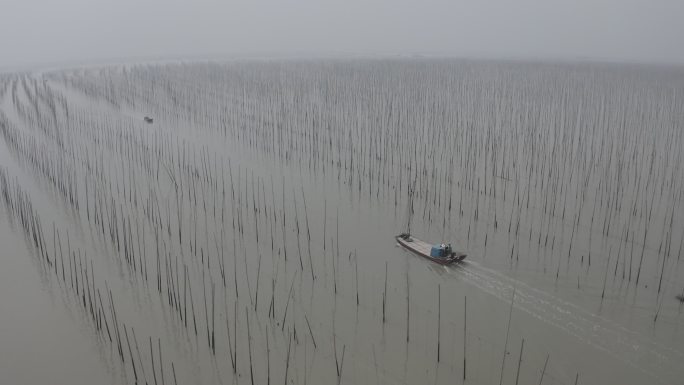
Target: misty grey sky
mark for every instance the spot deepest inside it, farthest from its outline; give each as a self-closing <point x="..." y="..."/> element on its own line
<point x="48" y="31"/>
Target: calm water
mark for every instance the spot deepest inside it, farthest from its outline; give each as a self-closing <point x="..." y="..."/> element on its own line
<point x="246" y="235"/>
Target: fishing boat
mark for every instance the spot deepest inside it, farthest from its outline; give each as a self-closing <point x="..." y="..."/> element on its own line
<point x="442" y="253"/>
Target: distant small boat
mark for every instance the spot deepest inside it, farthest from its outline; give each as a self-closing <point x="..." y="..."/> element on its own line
<point x="442" y="254"/>
<point x="148" y="120"/>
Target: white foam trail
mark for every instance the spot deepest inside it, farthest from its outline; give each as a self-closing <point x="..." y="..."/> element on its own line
<point x="629" y="346"/>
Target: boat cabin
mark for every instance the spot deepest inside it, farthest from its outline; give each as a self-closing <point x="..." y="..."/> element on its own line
<point x="440" y="251"/>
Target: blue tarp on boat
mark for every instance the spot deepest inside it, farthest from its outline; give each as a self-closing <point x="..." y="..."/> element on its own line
<point x="436" y="251"/>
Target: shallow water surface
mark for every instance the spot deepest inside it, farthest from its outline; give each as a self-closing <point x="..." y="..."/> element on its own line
<point x="246" y="235"/>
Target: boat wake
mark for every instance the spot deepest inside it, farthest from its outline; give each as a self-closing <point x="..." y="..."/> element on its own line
<point x="639" y="351"/>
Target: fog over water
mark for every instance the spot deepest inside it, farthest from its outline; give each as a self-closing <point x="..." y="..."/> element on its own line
<point x="43" y="31"/>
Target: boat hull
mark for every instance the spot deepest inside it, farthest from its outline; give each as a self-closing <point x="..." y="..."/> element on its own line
<point x="422" y="249"/>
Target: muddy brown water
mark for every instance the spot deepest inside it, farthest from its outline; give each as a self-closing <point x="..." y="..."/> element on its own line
<point x="247" y="234"/>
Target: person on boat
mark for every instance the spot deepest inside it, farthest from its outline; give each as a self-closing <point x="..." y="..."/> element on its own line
<point x="444" y="250"/>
